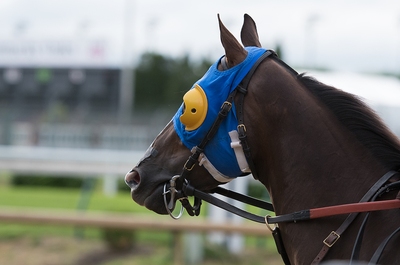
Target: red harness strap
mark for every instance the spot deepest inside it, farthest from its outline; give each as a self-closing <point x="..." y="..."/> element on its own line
<point x="359" y="207"/>
<point x="315" y="213"/>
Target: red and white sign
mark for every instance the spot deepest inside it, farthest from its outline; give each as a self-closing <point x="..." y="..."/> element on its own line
<point x="58" y="53"/>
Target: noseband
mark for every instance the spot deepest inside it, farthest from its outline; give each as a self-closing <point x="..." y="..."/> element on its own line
<point x="179" y="188"/>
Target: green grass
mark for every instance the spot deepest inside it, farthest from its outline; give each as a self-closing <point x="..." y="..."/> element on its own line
<point x="39" y="197"/>
<point x="58" y="199"/>
<point x="69" y="199"/>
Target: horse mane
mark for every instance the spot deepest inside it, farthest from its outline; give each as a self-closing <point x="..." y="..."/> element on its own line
<point x="360" y="119"/>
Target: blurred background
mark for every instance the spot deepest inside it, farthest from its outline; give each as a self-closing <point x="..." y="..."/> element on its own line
<point x="85" y="86"/>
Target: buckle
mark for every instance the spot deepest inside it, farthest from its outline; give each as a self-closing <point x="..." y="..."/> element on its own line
<point x="225" y="108"/>
<point x="241" y="128"/>
<point x="270" y="226"/>
<point x="227" y="105"/>
<point x="189" y="162"/>
<point x="329" y="241"/>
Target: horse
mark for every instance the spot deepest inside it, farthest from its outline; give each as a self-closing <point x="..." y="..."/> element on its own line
<point x="311" y="145"/>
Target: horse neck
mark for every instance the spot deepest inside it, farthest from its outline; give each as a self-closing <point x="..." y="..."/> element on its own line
<point x="303" y="155"/>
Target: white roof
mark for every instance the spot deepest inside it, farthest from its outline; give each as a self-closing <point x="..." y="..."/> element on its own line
<point x="375" y="90"/>
<point x="382" y="93"/>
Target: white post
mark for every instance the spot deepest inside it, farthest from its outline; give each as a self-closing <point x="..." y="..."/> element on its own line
<point x="127" y="82"/>
<point x="193" y="248"/>
<point x="235" y="242"/>
<point x="110" y="185"/>
<point x="218" y="216"/>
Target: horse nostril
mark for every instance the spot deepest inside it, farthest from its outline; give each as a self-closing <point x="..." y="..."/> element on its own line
<point x="132" y="179"/>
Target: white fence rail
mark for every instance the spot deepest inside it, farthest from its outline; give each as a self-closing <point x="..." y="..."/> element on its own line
<point x="117" y="137"/>
<point x="79" y="162"/>
<point x="108" y="164"/>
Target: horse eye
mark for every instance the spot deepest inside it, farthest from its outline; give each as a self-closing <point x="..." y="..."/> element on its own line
<point x="193" y="110"/>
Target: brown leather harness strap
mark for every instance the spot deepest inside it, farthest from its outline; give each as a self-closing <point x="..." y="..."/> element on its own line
<point x="334" y="236"/>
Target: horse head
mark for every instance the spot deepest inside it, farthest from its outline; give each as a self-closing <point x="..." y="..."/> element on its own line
<point x="168" y="153"/>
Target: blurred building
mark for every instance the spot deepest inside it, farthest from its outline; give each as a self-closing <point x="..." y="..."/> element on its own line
<point x="381" y="93"/>
<point x="63" y="93"/>
<point x="36" y="75"/>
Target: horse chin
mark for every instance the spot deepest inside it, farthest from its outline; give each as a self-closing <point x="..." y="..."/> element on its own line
<point x="154" y="201"/>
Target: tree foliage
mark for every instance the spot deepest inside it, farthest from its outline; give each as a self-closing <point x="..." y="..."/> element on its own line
<point x="162" y="81"/>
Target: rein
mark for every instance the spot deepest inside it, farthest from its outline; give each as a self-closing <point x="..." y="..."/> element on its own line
<point x="179" y="187"/>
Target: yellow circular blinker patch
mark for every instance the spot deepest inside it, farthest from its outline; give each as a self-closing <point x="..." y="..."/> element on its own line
<point x="195" y="108"/>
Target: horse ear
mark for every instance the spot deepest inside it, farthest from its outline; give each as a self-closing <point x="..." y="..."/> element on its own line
<point x="249" y="33"/>
<point x="234" y="51"/>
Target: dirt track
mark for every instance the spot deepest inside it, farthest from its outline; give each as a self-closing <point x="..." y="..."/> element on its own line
<point x="61" y="251"/>
<point x="72" y="251"/>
